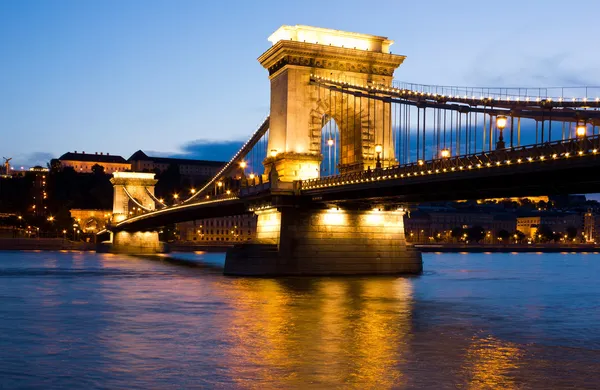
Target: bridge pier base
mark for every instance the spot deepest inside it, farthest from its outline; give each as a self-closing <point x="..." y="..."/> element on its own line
<point x="136" y="243"/>
<point x="293" y="241"/>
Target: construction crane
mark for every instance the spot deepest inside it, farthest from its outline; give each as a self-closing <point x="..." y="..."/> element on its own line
<point x="7" y="164"/>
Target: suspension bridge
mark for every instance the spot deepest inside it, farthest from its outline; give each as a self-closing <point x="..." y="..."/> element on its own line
<point x="345" y="146"/>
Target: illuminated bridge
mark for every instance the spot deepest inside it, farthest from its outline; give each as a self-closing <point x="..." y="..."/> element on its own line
<point x="345" y="147"/>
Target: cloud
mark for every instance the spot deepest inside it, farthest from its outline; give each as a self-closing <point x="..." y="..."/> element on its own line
<point x="209" y="150"/>
<point x="559" y="69"/>
<point x="28" y="160"/>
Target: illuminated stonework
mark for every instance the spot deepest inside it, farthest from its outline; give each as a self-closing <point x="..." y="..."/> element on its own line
<point x="299" y="107"/>
<point x="322" y="242"/>
<point x="128" y="185"/>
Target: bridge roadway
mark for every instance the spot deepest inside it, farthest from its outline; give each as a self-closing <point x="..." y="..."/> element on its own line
<point x="570" y="166"/>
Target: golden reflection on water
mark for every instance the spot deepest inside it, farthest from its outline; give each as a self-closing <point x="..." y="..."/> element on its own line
<point x="490" y="362"/>
<point x="320" y="332"/>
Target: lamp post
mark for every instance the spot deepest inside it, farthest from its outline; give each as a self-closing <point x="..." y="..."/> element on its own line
<point x="330" y="144"/>
<point x="501" y="124"/>
<point x="445" y="153"/>
<point x="378" y="150"/>
<point x="580" y="130"/>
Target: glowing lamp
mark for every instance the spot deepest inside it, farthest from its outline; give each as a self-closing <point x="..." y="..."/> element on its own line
<point x="420" y="162"/>
<point x="445" y="153"/>
<point x="220" y="183"/>
<point x="501" y="122"/>
<point x="330" y="142"/>
<point x="243" y="164"/>
<point x="251" y="176"/>
<point x="378" y="148"/>
<point x="580" y="130"/>
<point x="175" y="196"/>
<point x="273" y="152"/>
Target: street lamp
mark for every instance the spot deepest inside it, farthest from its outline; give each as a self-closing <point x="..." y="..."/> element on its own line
<point x="580" y="130"/>
<point x="330" y="144"/>
<point x="445" y="153"/>
<point x="378" y="150"/>
<point x="501" y="124"/>
<point x="273" y="153"/>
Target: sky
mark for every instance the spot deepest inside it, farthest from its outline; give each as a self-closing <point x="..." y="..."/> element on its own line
<point x="181" y="78"/>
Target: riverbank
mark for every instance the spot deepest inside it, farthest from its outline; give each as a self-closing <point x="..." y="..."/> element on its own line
<point x="545" y="248"/>
<point x="44" y="244"/>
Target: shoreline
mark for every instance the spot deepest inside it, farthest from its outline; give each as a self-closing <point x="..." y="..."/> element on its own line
<point x="582" y="248"/>
<point x="59" y="244"/>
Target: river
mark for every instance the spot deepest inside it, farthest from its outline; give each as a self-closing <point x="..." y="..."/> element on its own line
<point x="87" y="320"/>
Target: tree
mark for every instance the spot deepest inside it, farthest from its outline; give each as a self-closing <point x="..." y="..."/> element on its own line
<point x="504" y="235"/>
<point x="545" y="232"/>
<point x="98" y="169"/>
<point x="456" y="233"/>
<point x="476" y="233"/>
<point x="520" y="235"/>
<point x="571" y="232"/>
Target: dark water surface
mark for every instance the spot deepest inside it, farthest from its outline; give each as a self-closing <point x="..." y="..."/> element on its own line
<point x="86" y="320"/>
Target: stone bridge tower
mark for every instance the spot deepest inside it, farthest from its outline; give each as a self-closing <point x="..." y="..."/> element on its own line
<point x="299" y="107"/>
<point x="136" y="185"/>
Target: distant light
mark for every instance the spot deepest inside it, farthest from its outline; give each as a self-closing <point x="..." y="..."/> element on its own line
<point x="243" y="164"/>
<point x="420" y="162"/>
<point x="445" y="153"/>
<point x="378" y="148"/>
<point x="273" y="152"/>
<point x="581" y="130"/>
<point x="330" y="142"/>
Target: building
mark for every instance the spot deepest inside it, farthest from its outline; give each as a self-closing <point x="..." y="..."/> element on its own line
<point x="83" y="162"/>
<point x="425" y="225"/>
<point x="557" y="221"/>
<point x="90" y="221"/>
<point x="223" y="230"/>
<point x="196" y="170"/>
<point x="591" y="227"/>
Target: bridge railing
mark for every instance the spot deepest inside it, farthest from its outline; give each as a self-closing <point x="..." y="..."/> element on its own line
<point x="549" y="151"/>
<point x="500" y="93"/>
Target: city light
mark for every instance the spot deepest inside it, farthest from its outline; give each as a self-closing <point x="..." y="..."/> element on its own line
<point x="175" y="196"/>
<point x="251" y="176"/>
<point x="193" y="190"/>
<point x="330" y="142"/>
<point x="243" y="164"/>
<point x="378" y="148"/>
<point x="273" y="152"/>
<point x="580" y="130"/>
<point x="445" y="153"/>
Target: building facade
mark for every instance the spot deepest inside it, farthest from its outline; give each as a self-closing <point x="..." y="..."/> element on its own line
<point x="193" y="169"/>
<point x="222" y="230"/>
<point x="558" y="222"/>
<point x="83" y="162"/>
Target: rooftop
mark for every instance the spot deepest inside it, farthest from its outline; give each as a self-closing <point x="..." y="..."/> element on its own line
<point x="141" y="156"/>
<point x="83" y="156"/>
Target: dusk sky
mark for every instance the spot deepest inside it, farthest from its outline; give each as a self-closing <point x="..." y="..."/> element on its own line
<point x="167" y="76"/>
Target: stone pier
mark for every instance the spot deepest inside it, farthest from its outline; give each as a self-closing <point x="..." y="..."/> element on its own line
<point x="137" y="243"/>
<point x="333" y="241"/>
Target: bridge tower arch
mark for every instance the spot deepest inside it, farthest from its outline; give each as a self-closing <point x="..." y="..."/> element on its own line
<point x="297" y="106"/>
<point x="132" y="189"/>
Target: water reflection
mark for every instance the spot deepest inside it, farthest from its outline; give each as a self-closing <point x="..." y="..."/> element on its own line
<point x="333" y="331"/>
<point x="490" y="364"/>
<point x="73" y="320"/>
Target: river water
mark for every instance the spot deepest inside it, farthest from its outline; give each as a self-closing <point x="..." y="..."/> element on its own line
<point x="87" y="320"/>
